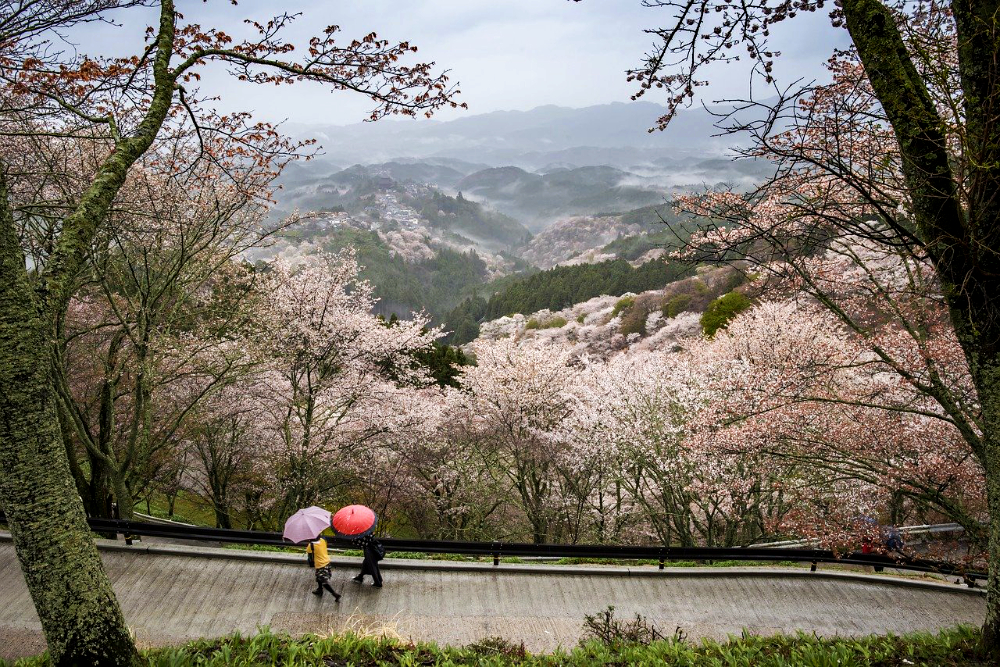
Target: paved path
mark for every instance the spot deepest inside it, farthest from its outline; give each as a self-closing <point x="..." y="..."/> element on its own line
<point x="172" y="594"/>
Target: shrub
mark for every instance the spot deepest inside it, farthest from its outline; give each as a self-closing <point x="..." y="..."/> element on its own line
<point x="721" y="311"/>
<point x="606" y="629"/>
<point x="581" y="317"/>
<point x="532" y="324"/>
<point x="623" y="304"/>
<point x="676" y="305"/>
<point x="554" y="323"/>
<point x="498" y="647"/>
<point x="634" y="321"/>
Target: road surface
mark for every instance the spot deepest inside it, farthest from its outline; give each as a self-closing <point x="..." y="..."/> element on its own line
<point x="172" y="594"/>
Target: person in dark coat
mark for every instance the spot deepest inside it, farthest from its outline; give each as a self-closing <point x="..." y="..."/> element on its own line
<point x="374" y="552"/>
<point x="894" y="540"/>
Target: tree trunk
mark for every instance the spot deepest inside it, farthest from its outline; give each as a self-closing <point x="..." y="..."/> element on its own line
<point x="123" y="496"/>
<point x="80" y="616"/>
<point x="961" y="242"/>
<point x="222" y="519"/>
<point x="987" y="378"/>
<point x="991" y="626"/>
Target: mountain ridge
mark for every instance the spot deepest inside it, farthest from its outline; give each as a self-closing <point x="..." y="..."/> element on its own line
<point x="597" y="134"/>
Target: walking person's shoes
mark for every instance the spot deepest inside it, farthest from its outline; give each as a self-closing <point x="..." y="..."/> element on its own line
<point x="376" y="585"/>
<point x="318" y="592"/>
<point x="358" y="579"/>
<point x="336" y="597"/>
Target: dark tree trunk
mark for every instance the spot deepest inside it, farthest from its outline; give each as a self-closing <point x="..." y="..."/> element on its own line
<point x="222" y="519"/>
<point x="963" y="243"/>
<point x="80" y="616"/>
<point x="986" y="375"/>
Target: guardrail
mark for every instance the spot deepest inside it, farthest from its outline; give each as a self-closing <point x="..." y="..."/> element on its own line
<point x="905" y="531"/>
<point x="497" y="550"/>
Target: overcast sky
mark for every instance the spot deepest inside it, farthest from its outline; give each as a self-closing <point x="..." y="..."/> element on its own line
<point x="506" y="54"/>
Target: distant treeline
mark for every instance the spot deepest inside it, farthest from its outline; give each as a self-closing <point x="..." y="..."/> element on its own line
<point x="559" y="288"/>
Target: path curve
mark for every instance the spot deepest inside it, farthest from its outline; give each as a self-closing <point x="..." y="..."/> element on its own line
<point x="173" y="594"/>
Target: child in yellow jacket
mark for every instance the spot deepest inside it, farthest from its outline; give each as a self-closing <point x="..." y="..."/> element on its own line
<point x="318" y="556"/>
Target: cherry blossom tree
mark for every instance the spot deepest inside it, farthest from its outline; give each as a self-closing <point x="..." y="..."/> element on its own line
<point x="639" y="410"/>
<point x="516" y="397"/>
<point x="123" y="106"/>
<point x="793" y="386"/>
<point x="900" y="151"/>
<point x="450" y="494"/>
<point x="165" y="274"/>
<point x="339" y="378"/>
<point x="225" y="445"/>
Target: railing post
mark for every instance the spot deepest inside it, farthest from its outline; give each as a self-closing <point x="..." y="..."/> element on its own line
<point x="812" y="568"/>
<point x="496" y="554"/>
<point x="661" y="559"/>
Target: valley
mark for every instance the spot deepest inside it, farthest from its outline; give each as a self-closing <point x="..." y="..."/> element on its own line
<point x="447" y="236"/>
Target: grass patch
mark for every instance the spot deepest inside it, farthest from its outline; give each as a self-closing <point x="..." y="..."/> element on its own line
<point x="628" y="643"/>
<point x="458" y="558"/>
<point x="188" y="508"/>
<point x="676" y="563"/>
<point x="265" y="547"/>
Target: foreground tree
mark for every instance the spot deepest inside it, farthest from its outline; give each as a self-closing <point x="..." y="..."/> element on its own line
<point x="932" y="73"/>
<point x="122" y="105"/>
<point x="157" y="322"/>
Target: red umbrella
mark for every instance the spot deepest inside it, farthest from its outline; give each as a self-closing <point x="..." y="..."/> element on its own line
<point x="354" y="521"/>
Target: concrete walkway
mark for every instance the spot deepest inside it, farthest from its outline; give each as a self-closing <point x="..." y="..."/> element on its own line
<point x="171" y="594"/>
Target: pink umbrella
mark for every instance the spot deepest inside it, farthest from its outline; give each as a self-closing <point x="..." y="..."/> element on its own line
<point x="354" y="521"/>
<point x="306" y="524"/>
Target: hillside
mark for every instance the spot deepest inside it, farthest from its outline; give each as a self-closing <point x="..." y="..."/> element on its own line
<point x="636" y="236"/>
<point x="421" y="249"/>
<point x="557" y="289"/>
<point x="432" y="234"/>
<point x="616" y="320"/>
<point x="372" y="196"/>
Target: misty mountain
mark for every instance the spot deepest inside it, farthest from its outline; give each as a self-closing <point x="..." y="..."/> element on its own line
<point x="614" y="134"/>
<point x="537" y="199"/>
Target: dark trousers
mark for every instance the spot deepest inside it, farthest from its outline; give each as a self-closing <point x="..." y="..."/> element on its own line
<point x="370" y="566"/>
<point x="323" y="581"/>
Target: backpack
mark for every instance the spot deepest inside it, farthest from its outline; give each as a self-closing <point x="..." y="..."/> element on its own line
<point x="378" y="549"/>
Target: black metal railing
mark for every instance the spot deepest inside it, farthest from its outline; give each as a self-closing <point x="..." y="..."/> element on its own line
<point x="498" y="550"/>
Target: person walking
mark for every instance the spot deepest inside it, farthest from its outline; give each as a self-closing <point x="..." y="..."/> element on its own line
<point x="374" y="552"/>
<point x="318" y="556"/>
<point x="894" y="540"/>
